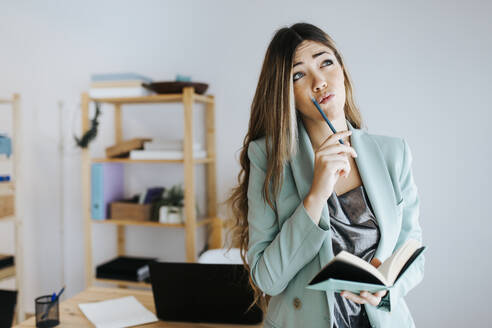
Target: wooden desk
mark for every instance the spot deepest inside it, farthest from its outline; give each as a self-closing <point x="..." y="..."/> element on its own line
<point x="71" y="316"/>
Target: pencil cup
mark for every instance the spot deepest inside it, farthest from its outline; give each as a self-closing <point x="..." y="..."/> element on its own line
<point x="47" y="312"/>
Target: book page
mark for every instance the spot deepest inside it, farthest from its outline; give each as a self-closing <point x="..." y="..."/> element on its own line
<point x="393" y="264"/>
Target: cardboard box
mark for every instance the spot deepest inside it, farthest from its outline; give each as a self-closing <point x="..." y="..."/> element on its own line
<point x="6" y="205"/>
<point x="130" y="211"/>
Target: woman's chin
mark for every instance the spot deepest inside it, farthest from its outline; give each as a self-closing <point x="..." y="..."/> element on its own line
<point x="333" y="113"/>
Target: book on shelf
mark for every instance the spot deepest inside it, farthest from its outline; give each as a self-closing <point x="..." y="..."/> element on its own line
<point x="122" y="149"/>
<point x="106" y="187"/>
<point x="151" y="195"/>
<point x="118" y="92"/>
<point x="107" y="77"/>
<point x="116" y="84"/>
<point x="169" y="144"/>
<point x="164" y="154"/>
<point x="349" y="272"/>
<point x="130" y="268"/>
<point x="6" y="261"/>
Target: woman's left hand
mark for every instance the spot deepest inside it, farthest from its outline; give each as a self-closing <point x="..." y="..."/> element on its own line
<point x="366" y="297"/>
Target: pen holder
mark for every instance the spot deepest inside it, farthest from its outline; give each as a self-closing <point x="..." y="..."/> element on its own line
<point x="47" y="312"/>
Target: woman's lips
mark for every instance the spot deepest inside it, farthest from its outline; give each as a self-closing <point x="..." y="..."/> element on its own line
<point x="327" y="99"/>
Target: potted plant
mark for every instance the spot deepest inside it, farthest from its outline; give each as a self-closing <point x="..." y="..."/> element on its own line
<point x="172" y="209"/>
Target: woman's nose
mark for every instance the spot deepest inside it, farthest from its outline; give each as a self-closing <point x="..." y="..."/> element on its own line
<point x="319" y="83"/>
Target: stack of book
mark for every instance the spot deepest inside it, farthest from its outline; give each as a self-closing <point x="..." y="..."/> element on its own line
<point x="163" y="149"/>
<point x="116" y="85"/>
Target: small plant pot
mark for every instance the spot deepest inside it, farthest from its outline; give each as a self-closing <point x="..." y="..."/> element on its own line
<point x="171" y="214"/>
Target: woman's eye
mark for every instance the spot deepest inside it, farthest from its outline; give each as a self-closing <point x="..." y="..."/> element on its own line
<point x="328" y="60"/>
<point x="297" y="76"/>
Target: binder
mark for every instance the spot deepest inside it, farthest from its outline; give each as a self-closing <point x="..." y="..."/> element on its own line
<point x="106" y="187"/>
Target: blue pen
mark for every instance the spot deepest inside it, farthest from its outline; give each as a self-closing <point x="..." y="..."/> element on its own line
<point x="59" y="293"/>
<point x="326" y="118"/>
<point x="54" y="298"/>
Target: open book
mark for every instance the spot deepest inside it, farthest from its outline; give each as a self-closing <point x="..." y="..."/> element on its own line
<point x="349" y="272"/>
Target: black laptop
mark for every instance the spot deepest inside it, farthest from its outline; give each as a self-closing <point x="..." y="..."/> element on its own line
<point x="196" y="292"/>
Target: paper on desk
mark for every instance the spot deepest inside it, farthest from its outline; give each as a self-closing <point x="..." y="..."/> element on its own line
<point x="117" y="313"/>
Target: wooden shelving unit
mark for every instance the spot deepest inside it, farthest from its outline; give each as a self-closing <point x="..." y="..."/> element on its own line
<point x="150" y="161"/>
<point x="188" y="98"/>
<point x="7" y="272"/>
<point x="12" y="188"/>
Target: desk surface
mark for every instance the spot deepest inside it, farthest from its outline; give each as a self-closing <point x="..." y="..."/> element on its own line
<point x="71" y="316"/>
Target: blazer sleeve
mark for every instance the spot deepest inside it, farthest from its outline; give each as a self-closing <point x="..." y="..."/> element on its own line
<point x="275" y="254"/>
<point x="410" y="229"/>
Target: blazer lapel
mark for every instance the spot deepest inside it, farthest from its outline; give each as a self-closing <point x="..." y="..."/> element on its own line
<point x="379" y="187"/>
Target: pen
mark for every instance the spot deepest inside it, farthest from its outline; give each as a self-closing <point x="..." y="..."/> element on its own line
<point x="326" y="118"/>
<point x="54" y="299"/>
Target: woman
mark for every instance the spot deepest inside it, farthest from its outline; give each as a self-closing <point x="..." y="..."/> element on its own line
<point x="303" y="197"/>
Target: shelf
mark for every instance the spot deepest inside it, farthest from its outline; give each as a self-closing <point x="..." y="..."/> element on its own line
<point x="7" y="185"/>
<point x="7" y="272"/>
<point x="154" y="99"/>
<point x="149" y="223"/>
<point x="6" y="101"/>
<point x="7" y="218"/>
<point x="151" y="161"/>
<point x="124" y="282"/>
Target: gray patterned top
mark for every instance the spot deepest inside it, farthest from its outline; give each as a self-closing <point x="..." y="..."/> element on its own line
<point x="354" y="229"/>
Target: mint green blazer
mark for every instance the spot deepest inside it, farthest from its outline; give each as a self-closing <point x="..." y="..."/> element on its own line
<point x="285" y="253"/>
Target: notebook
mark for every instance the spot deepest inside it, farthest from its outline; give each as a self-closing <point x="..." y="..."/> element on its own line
<point x="117" y="313"/>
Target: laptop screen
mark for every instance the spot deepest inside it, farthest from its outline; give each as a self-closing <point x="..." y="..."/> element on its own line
<point x="197" y="292"/>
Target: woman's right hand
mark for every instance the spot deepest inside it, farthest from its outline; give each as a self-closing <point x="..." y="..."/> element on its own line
<point x="330" y="162"/>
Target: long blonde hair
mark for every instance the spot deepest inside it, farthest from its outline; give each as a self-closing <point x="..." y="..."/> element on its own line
<point x="273" y="116"/>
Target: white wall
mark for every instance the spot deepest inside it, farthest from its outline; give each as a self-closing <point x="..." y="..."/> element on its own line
<point x="421" y="71"/>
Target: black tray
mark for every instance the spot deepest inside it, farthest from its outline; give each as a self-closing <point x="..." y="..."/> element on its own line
<point x="175" y="87"/>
